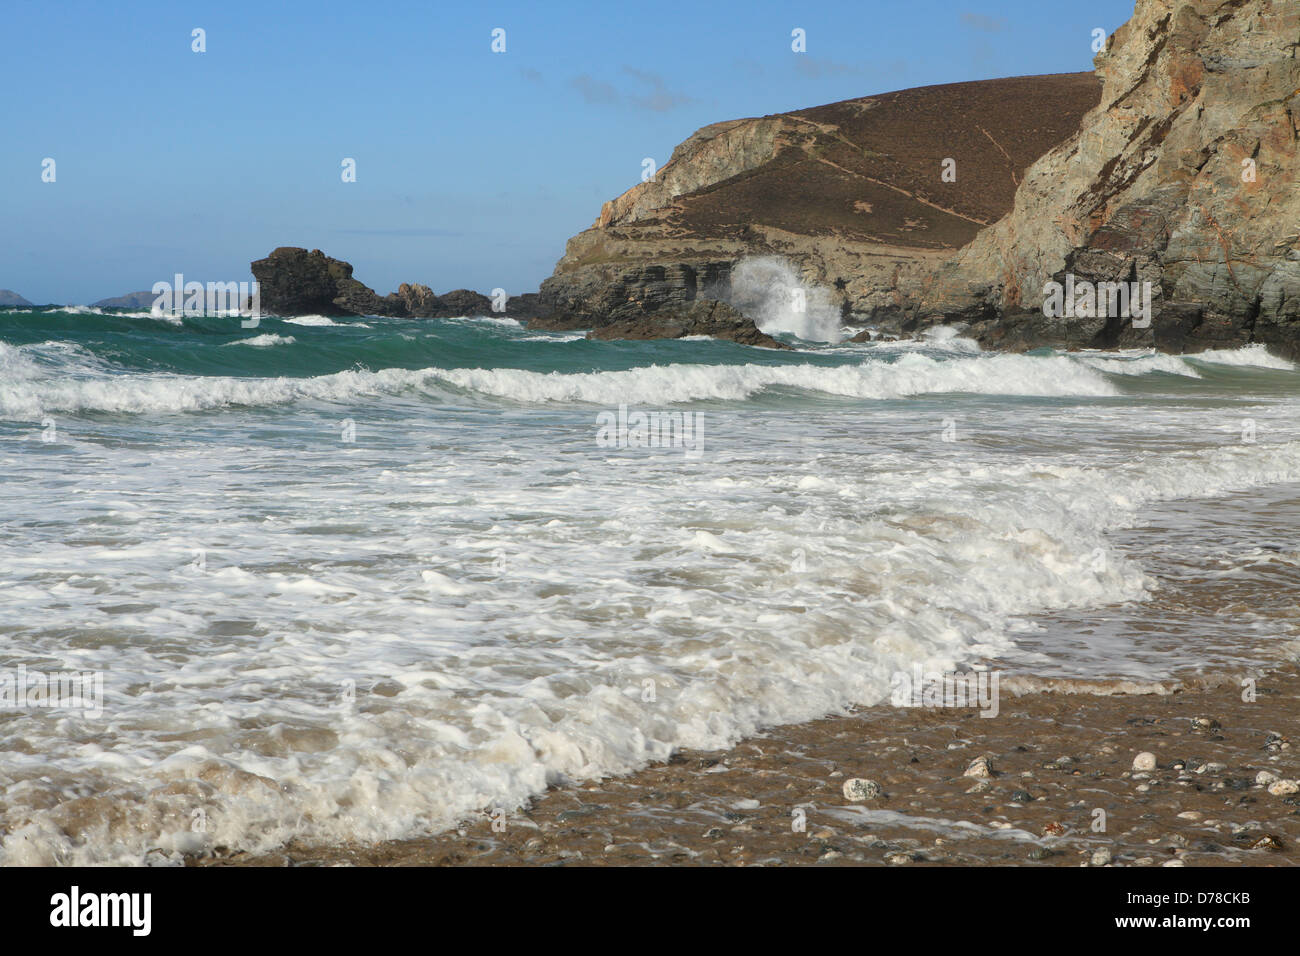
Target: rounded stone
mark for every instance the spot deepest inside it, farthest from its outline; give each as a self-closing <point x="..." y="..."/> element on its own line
<point x="857" y="789"/>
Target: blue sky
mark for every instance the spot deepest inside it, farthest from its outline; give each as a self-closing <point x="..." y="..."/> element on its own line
<point x="473" y="167"/>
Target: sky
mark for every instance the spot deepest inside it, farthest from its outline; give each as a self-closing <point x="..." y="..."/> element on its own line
<point x="472" y="167"/>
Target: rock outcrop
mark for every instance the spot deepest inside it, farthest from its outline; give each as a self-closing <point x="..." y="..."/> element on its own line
<point x="8" y="297"/>
<point x="1184" y="176"/>
<point x="853" y="194"/>
<point x="292" y="281"/>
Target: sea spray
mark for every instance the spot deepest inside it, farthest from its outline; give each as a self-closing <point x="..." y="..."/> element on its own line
<point x="769" y="290"/>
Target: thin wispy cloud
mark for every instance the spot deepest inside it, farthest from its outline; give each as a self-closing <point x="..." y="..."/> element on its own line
<point x="817" y="67"/>
<point x="596" y="92"/>
<point x="652" y="92"/>
<point x="414" y="233"/>
<point x="659" y="98"/>
<point x="985" y="24"/>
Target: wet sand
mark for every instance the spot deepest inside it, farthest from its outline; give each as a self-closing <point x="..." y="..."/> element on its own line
<point x="1057" y="758"/>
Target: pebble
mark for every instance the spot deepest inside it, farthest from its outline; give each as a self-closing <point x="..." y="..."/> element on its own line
<point x="1146" y="760"/>
<point x="1053" y="829"/>
<point x="857" y="789"/>
<point x="1205" y="723"/>
<point x="980" y="767"/>
<point x="1189" y="815"/>
<point x="1265" y="777"/>
<point x="1101" y="857"/>
<point x="1267" y="842"/>
<point x="1284" y="788"/>
<point x="1021" y="796"/>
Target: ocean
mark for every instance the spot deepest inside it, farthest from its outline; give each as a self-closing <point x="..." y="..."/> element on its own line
<point x="350" y="580"/>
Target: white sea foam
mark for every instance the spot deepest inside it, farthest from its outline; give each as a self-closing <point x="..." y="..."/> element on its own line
<point x="1137" y="363"/>
<point x="504" y="677"/>
<point x="312" y="320"/>
<point x="1256" y="356"/>
<point x="502" y="320"/>
<point x="325" y="640"/>
<point x="117" y="314"/>
<point x="142" y="394"/>
<point x="911" y="374"/>
<point x="264" y="341"/>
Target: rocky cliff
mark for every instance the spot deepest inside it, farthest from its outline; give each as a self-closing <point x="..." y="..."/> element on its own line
<point x="853" y="194"/>
<point x="1184" y="176"/>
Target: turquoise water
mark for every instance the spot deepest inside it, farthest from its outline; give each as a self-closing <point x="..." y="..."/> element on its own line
<point x="357" y="579"/>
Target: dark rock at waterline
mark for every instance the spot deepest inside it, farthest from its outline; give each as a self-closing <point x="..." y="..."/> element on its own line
<point x="595" y="299"/>
<point x="702" y="317"/>
<point x="293" y="281"/>
<point x="669" y="301"/>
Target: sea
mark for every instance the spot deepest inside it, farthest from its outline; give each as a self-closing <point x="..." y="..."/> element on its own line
<point x="339" y="581"/>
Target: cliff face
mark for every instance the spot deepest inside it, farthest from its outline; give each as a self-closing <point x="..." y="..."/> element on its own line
<point x="851" y="193"/>
<point x="1183" y="176"/>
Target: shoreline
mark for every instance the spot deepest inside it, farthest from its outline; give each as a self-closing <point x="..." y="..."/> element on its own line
<point x="1057" y="759"/>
